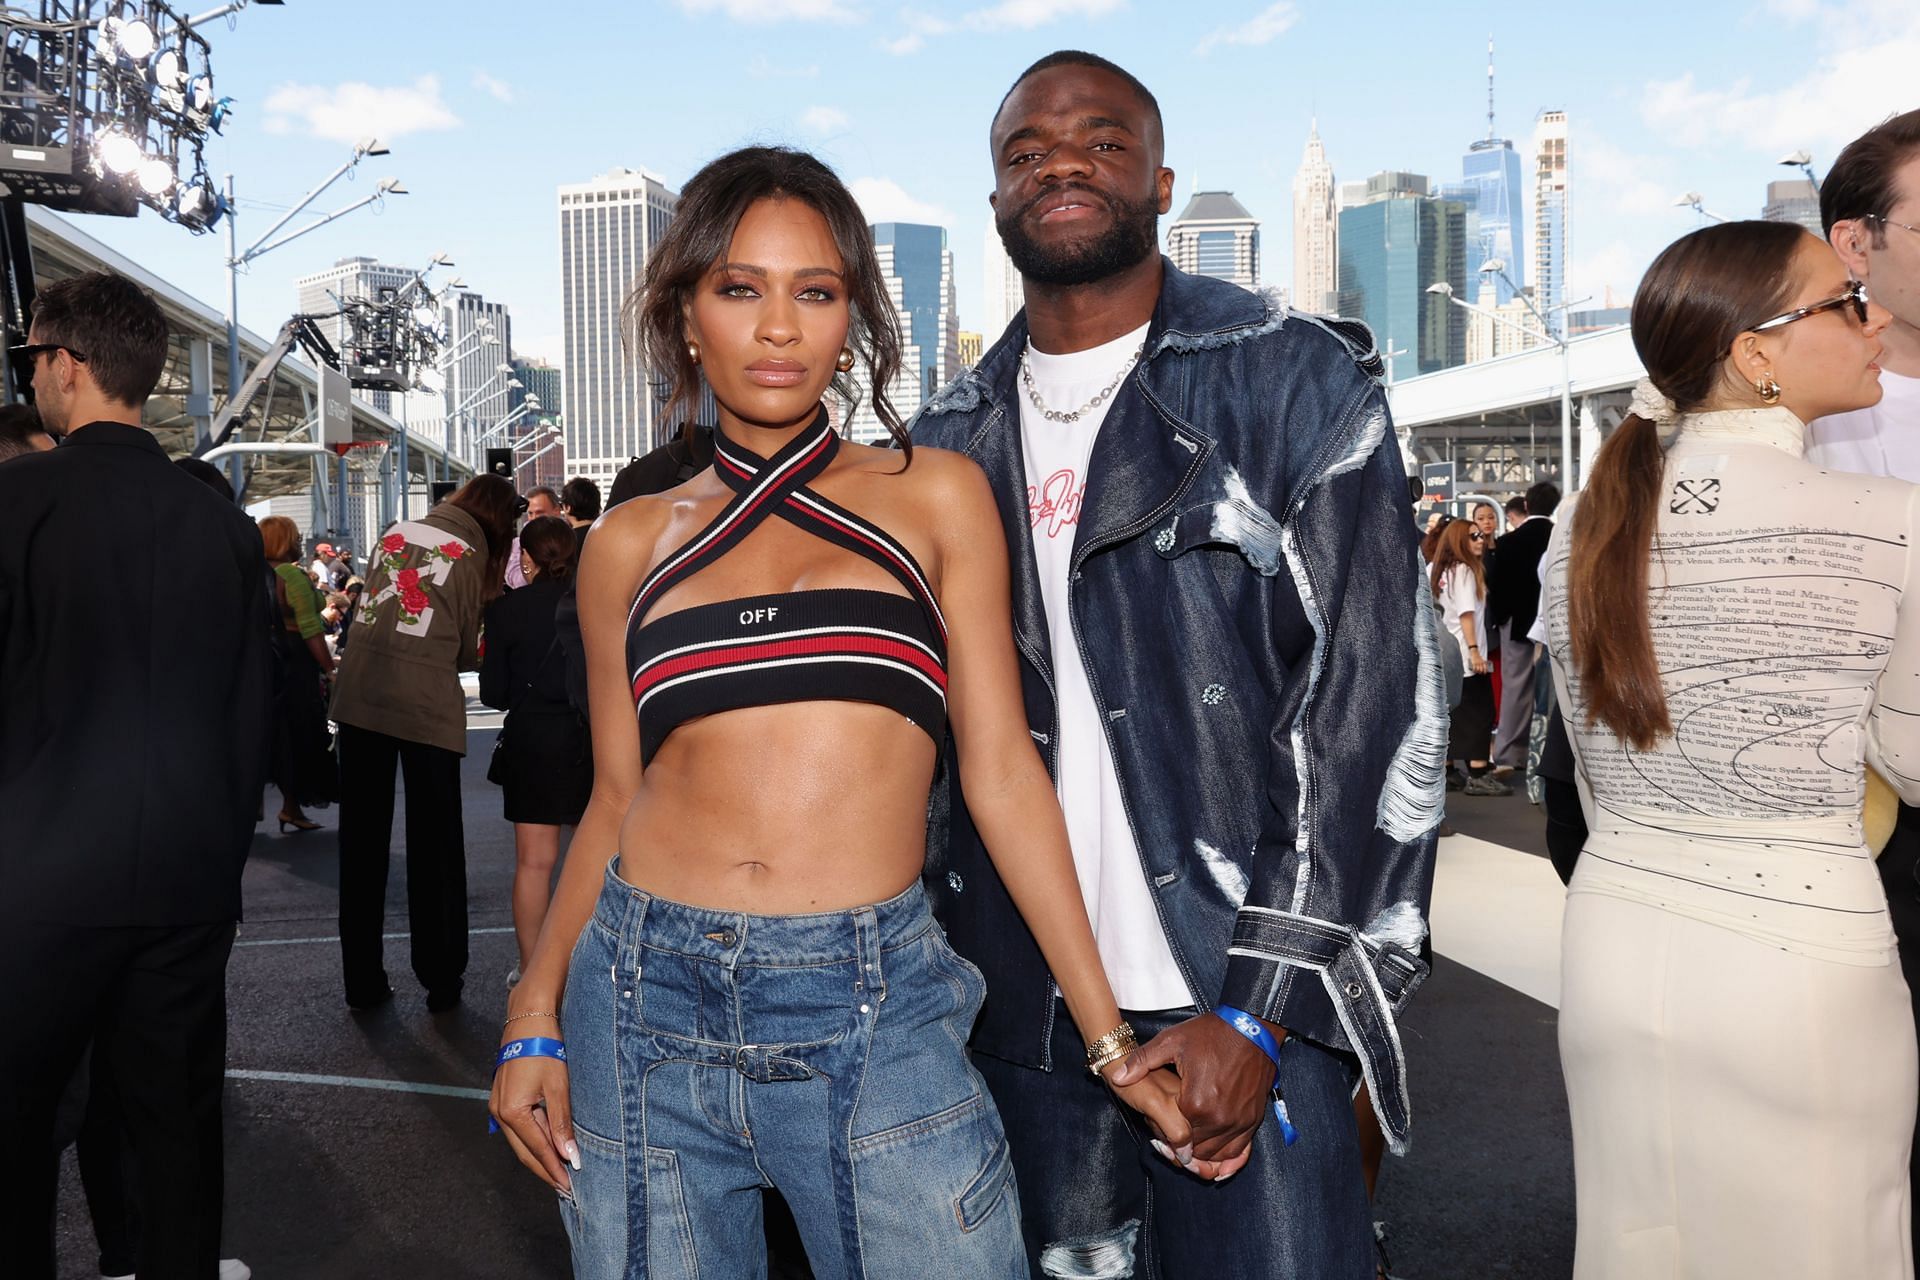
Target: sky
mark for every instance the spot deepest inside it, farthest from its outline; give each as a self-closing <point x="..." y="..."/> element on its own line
<point x="489" y="106"/>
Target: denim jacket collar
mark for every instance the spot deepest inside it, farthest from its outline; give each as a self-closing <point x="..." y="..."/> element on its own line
<point x="1149" y="449"/>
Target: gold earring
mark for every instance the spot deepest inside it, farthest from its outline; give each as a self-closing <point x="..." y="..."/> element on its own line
<point x="693" y="351"/>
<point x="1769" y="389"/>
<point x="845" y="363"/>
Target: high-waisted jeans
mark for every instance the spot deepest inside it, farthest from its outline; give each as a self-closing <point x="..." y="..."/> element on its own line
<point x="714" y="1053"/>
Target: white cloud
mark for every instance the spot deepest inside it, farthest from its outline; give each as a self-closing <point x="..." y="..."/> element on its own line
<point x="1025" y="15"/>
<point x="1859" y="78"/>
<point x="1008" y="15"/>
<point x="1264" y="27"/>
<point x="493" y="86"/>
<point x="884" y="200"/>
<point x="1608" y="275"/>
<point x="788" y="11"/>
<point x="823" y="120"/>
<point x="354" y="110"/>
<point x="1641" y="185"/>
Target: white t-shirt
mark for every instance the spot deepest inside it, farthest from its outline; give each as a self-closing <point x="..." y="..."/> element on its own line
<point x="1459" y="594"/>
<point x="1880" y="440"/>
<point x="1133" y="949"/>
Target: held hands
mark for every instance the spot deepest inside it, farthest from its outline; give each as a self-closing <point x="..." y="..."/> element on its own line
<point x="1479" y="663"/>
<point x="1156" y="1096"/>
<point x="1226" y="1087"/>
<point x="530" y="1103"/>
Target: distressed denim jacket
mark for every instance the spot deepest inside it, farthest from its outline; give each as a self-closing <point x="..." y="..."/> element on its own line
<point x="1248" y="597"/>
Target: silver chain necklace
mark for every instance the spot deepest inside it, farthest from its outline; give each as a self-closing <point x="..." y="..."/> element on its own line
<point x="1056" y="415"/>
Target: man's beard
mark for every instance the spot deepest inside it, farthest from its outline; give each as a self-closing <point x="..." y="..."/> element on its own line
<point x="1133" y="236"/>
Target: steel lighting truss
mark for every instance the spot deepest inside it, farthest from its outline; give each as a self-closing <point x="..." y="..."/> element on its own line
<point x="105" y="107"/>
<point x="386" y="346"/>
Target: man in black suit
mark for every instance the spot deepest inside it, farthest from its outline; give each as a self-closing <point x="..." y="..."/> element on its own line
<point x="134" y="711"/>
<point x="1513" y="600"/>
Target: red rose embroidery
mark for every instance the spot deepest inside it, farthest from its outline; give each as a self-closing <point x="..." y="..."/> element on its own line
<point x="453" y="551"/>
<point x="393" y="544"/>
<point x="408" y="580"/>
<point x="415" y="601"/>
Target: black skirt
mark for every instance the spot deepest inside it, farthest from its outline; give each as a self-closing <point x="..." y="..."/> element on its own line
<point x="543" y="763"/>
<point x="303" y="763"/>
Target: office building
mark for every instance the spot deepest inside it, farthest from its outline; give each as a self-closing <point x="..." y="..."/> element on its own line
<point x="1316" y="229"/>
<point x="1351" y="194"/>
<point x="324" y="293"/>
<point x="1498" y="328"/>
<point x="1552" y="216"/>
<point x="917" y="266"/>
<point x="475" y="391"/>
<point x="971" y="345"/>
<point x="1392" y="247"/>
<point x="1002" y="295"/>
<point x="539" y="451"/>
<point x="1216" y="236"/>
<point x="1490" y="188"/>
<point x="612" y="408"/>
<point x="1794" y="200"/>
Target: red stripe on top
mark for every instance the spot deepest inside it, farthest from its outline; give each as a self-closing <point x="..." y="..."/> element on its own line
<point x="827" y="517"/>
<point x="744" y="654"/>
<point x="720" y="534"/>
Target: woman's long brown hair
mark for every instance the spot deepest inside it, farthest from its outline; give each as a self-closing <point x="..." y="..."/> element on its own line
<point x="1701" y="293"/>
<point x="1450" y="548"/>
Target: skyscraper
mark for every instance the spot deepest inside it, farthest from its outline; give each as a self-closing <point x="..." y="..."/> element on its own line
<point x="475" y="391"/>
<point x="613" y="411"/>
<point x="542" y="460"/>
<point x="1216" y="236"/>
<point x="1002" y="295"/>
<point x="918" y="269"/>
<point x="323" y="292"/>
<point x="1316" y="229"/>
<point x="1490" y="173"/>
<point x="1794" y="200"/>
<point x="1551" y="216"/>
<point x="1392" y="247"/>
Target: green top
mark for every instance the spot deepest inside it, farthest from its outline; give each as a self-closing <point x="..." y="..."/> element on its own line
<point x="302" y="599"/>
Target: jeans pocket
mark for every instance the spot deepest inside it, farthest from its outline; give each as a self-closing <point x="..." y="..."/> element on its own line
<point x="596" y="1213"/>
<point x="988" y="1190"/>
<point x="670" y="1251"/>
<point x="941" y="1187"/>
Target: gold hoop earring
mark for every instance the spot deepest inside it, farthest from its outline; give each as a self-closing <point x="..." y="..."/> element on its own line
<point x="693" y="351"/>
<point x="845" y="363"/>
<point x="1769" y="390"/>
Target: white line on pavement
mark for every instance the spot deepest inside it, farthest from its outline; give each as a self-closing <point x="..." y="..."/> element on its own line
<point x="1497" y="911"/>
<point x="288" y="942"/>
<point x="357" y="1082"/>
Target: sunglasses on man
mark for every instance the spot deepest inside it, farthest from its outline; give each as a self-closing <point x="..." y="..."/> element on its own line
<point x="27" y="351"/>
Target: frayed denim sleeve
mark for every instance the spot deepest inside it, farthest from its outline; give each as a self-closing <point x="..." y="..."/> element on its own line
<point x="1328" y="942"/>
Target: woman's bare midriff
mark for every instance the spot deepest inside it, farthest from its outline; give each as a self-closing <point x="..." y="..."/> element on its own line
<point x="782" y="810"/>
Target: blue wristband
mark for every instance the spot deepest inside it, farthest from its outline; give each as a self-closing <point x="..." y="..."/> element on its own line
<point x="531" y="1047"/>
<point x="1255" y="1030"/>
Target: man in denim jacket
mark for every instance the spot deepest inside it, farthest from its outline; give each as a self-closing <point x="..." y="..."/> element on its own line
<point x="1242" y="586"/>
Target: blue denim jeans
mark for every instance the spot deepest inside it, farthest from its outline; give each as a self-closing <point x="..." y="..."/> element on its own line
<point x="1100" y="1205"/>
<point x="714" y="1053"/>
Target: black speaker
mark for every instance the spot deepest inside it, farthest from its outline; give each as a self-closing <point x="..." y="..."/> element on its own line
<point x="440" y="490"/>
<point x="500" y="463"/>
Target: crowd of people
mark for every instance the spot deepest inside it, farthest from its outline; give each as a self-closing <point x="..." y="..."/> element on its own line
<point x="898" y="788"/>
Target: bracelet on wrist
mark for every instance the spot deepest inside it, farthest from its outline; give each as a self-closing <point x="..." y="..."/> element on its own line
<point x="1110" y="1048"/>
<point x="1255" y="1030"/>
<point x="515" y="1017"/>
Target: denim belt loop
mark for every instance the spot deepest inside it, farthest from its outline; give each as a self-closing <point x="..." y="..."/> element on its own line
<point x="870" y="984"/>
<point x="633" y="929"/>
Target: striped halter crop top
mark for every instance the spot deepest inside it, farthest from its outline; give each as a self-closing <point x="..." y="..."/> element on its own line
<point x="835" y="644"/>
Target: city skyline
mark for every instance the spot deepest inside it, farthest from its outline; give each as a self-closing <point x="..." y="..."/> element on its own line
<point x="1711" y="107"/>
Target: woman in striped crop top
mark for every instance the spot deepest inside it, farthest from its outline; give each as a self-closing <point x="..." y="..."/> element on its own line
<point x="751" y="987"/>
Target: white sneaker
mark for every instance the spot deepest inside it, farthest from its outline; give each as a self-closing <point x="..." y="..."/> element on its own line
<point x="230" y="1269"/>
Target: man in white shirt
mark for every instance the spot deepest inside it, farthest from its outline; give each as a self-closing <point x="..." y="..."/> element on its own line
<point x="1870" y="206"/>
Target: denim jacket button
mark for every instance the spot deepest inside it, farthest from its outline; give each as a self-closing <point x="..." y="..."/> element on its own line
<point x="954" y="882"/>
<point x="1353" y="991"/>
<point x="1164" y="540"/>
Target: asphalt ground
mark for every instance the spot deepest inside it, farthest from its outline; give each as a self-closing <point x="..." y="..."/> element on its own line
<point x="357" y="1144"/>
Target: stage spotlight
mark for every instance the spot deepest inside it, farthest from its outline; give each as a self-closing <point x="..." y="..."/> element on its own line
<point x="156" y="176"/>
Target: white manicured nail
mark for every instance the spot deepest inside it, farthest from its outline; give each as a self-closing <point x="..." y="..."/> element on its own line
<point x="572" y="1151"/>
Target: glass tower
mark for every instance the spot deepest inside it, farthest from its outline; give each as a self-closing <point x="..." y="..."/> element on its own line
<point x="1391" y="249"/>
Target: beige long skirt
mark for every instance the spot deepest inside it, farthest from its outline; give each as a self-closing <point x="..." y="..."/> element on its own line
<point x="1738" y="1110"/>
